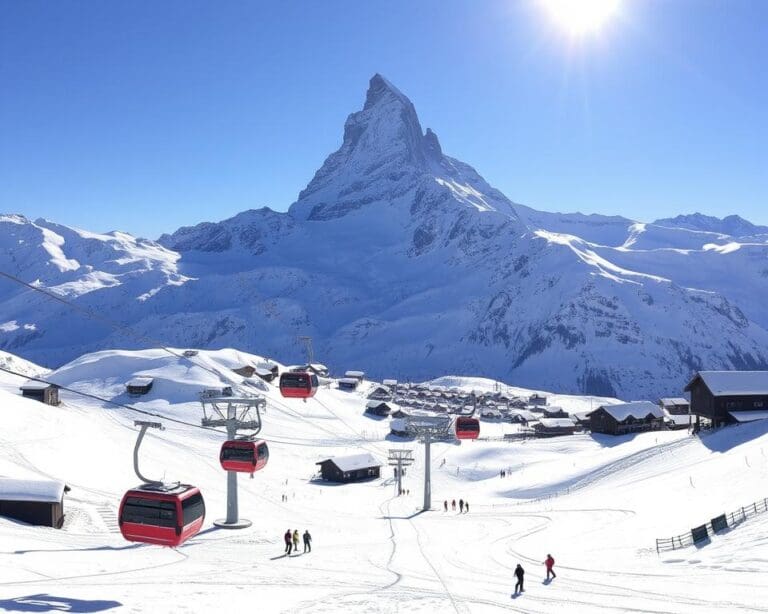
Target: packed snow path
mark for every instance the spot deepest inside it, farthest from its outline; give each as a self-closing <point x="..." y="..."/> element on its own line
<point x="595" y="504"/>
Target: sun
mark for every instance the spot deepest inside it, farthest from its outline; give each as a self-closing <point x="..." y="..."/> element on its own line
<point x="581" y="17"/>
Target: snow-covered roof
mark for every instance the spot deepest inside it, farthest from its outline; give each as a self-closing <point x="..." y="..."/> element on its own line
<point x="556" y="422"/>
<point x="357" y="374"/>
<point x="353" y="462"/>
<point x="262" y="371"/>
<point x="749" y="416"/>
<point x="398" y="424"/>
<point x="35" y="385"/>
<point x="636" y="409"/>
<point x="318" y="366"/>
<point x="140" y="381"/>
<point x="349" y="380"/>
<point x="526" y="415"/>
<point x="389" y="382"/>
<point x="376" y="403"/>
<point x="42" y="491"/>
<point x="670" y="401"/>
<point x="733" y="383"/>
<point x="678" y="419"/>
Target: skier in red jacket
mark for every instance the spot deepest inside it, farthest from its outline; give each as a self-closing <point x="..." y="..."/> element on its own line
<point x="550" y="563"/>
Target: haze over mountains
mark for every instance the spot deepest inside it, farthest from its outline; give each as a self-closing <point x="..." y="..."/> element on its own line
<point x="402" y="261"/>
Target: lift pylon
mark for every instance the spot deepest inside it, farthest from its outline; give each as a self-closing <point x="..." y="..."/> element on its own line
<point x="234" y="413"/>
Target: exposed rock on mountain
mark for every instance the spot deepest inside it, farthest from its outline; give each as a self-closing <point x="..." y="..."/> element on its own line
<point x="405" y="262"/>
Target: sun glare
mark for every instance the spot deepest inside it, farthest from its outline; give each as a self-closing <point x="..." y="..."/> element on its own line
<point x="580" y="17"/>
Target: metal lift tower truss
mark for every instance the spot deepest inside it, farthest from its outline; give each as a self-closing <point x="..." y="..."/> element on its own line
<point x="429" y="429"/>
<point x="235" y="413"/>
<point x="400" y="459"/>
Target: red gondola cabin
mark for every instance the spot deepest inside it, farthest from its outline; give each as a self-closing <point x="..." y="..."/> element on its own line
<point x="467" y="428"/>
<point x="162" y="516"/>
<point x="244" y="456"/>
<point x="299" y="385"/>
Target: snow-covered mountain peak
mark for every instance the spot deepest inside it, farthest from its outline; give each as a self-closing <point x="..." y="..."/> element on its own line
<point x="386" y="158"/>
<point x="731" y="225"/>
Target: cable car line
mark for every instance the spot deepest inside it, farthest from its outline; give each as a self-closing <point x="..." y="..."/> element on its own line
<point x="109" y="401"/>
<point x="115" y="325"/>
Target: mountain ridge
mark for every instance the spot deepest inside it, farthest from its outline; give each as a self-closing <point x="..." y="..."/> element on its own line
<point x="403" y="261"/>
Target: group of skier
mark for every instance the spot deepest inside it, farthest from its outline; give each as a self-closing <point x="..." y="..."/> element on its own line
<point x="463" y="506"/>
<point x="292" y="541"/>
<point x="549" y="563"/>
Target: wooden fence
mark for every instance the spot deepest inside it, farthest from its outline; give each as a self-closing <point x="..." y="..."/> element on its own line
<point x="720" y="523"/>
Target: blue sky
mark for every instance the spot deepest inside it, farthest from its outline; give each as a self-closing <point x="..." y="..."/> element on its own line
<point x="145" y="116"/>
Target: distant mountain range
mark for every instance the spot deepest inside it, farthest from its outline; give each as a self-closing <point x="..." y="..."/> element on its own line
<point x="402" y="261"/>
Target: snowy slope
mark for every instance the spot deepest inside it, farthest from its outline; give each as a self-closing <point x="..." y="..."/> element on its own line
<point x="596" y="503"/>
<point x="404" y="262"/>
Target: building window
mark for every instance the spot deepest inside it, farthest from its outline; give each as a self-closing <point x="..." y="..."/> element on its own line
<point x="758" y="404"/>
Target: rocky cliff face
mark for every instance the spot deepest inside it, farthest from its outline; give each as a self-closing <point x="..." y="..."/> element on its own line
<point x="405" y="262"/>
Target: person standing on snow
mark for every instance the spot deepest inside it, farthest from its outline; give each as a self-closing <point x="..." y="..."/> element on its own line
<point x="445" y="505"/>
<point x="550" y="563"/>
<point x="296" y="540"/>
<point x="466" y="507"/>
<point x="287" y="538"/>
<point x="307" y="541"/>
<point x="453" y="505"/>
<point x="520" y="575"/>
<point x="461" y="506"/>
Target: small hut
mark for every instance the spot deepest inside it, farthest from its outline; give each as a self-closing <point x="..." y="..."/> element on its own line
<point x="269" y="366"/>
<point x="380" y="393"/>
<point x="358" y="375"/>
<point x="245" y="370"/>
<point x="36" y="502"/>
<point x="554" y="427"/>
<point x="41" y="391"/>
<point x="139" y="386"/>
<point x="266" y="374"/>
<point x="522" y="416"/>
<point x="537" y="400"/>
<point x="348" y="383"/>
<point x="677" y="412"/>
<point x="318" y="369"/>
<point x="398" y="426"/>
<point x="352" y="468"/>
<point x="377" y="408"/>
<point x="552" y="411"/>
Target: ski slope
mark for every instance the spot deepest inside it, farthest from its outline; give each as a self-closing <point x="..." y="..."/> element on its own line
<point x="595" y="503"/>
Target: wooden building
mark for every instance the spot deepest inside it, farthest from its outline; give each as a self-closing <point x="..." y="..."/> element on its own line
<point x="377" y="408"/>
<point x="139" y="386"/>
<point x="551" y="411"/>
<point x="245" y="370"/>
<point x="267" y="375"/>
<point x="521" y="416"/>
<point x="380" y="393"/>
<point x="348" y="383"/>
<point x="537" y="400"/>
<point x="623" y="418"/>
<point x="554" y="427"/>
<point x="40" y="391"/>
<point x="318" y="369"/>
<point x="390" y="383"/>
<point x="36" y="502"/>
<point x="727" y="397"/>
<point x="677" y="412"/>
<point x="398" y="426"/>
<point x="352" y="468"/>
